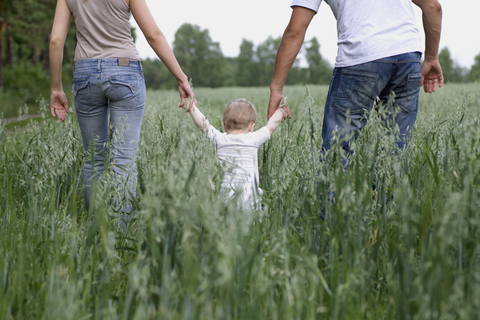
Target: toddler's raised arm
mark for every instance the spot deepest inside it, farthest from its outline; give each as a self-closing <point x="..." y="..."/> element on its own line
<point x="275" y="119"/>
<point x="199" y="118"/>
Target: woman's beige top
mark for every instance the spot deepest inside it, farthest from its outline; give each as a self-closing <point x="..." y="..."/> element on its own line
<point x="103" y="29"/>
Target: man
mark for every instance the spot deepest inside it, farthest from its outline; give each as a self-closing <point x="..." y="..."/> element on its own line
<point x="379" y="53"/>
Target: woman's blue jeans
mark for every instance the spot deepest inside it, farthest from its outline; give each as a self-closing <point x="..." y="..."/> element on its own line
<point x="354" y="90"/>
<point x="110" y="94"/>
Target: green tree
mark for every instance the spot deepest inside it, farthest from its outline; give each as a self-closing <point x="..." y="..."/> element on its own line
<point x="474" y="74"/>
<point x="25" y="28"/>
<point x="200" y="57"/>
<point x="452" y="72"/>
<point x="6" y="13"/>
<point x="157" y="76"/>
<point x="246" y="67"/>
<point x="297" y="75"/>
<point x="265" y="55"/>
<point x="230" y="72"/>
<point x="31" y="26"/>
<point x="446" y="62"/>
<point x="319" y="70"/>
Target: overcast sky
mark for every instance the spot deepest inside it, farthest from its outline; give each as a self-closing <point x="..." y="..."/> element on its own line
<point x="228" y="22"/>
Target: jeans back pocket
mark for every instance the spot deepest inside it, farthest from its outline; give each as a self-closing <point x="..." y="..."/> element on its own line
<point x="356" y="92"/>
<point x="408" y="99"/>
<point x="122" y="87"/>
<point x="81" y="92"/>
<point x="80" y="83"/>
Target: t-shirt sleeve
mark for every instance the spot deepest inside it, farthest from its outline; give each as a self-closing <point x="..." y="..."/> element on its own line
<point x="213" y="135"/>
<point x="309" y="4"/>
<point x="261" y="136"/>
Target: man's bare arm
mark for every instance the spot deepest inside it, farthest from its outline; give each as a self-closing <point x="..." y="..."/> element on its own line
<point x="290" y="45"/>
<point x="432" y="74"/>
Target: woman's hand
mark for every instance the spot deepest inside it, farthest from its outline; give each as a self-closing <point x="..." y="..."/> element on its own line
<point x="59" y="104"/>
<point x="186" y="92"/>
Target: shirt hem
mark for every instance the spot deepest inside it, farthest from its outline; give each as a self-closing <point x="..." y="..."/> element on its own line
<point x="350" y="63"/>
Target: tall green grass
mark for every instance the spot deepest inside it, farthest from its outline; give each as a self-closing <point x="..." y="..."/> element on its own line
<point x="409" y="248"/>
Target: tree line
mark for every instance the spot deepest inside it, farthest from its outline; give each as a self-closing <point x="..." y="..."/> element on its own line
<point x="454" y="73"/>
<point x="25" y="32"/>
<point x="25" y="27"/>
<point x="203" y="61"/>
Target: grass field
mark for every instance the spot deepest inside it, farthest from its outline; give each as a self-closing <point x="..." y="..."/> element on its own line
<point x="407" y="249"/>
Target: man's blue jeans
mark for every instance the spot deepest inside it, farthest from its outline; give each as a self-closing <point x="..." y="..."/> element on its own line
<point x="108" y="94"/>
<point x="354" y="90"/>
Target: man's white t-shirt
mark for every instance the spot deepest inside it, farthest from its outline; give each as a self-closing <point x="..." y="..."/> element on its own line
<point x="368" y="30"/>
<point x="238" y="155"/>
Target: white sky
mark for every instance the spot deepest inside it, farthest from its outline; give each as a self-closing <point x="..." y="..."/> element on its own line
<point x="228" y="22"/>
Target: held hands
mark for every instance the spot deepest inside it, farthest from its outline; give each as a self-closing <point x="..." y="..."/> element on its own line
<point x="431" y="75"/>
<point x="186" y="92"/>
<point x="59" y="104"/>
<point x="277" y="100"/>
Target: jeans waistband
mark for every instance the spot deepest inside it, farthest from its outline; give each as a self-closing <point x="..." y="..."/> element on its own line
<point x="402" y="58"/>
<point x="100" y="64"/>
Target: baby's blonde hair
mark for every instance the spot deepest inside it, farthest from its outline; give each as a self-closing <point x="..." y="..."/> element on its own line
<point x="239" y="114"/>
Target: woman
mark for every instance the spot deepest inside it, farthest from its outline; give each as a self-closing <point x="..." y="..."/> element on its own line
<point x="108" y="81"/>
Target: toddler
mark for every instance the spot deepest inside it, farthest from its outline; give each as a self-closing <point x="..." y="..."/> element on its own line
<point x="237" y="148"/>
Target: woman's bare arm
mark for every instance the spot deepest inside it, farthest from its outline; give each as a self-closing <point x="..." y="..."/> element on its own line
<point x="159" y="44"/>
<point x="61" y="23"/>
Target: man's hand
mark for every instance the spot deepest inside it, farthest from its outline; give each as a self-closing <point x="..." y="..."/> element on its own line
<point x="277" y="100"/>
<point x="59" y="104"/>
<point x="432" y="75"/>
